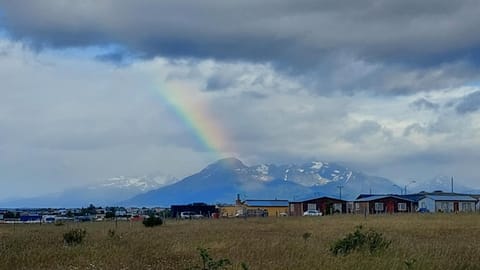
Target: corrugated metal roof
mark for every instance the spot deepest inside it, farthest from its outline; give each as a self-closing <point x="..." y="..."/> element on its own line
<point x="451" y="198"/>
<point x="267" y="203"/>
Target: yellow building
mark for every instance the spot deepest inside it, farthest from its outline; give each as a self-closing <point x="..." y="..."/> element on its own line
<point x="259" y="208"/>
<point x="271" y="208"/>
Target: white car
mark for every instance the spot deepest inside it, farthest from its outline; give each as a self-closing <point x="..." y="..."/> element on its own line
<point x="190" y="215"/>
<point x="187" y="215"/>
<point x="312" y="213"/>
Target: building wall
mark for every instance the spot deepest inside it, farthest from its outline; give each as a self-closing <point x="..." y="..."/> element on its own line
<point x="427" y="203"/>
<point x="295" y="209"/>
<point x="443" y="206"/>
<point x="385" y="205"/>
<point x="324" y="205"/>
<point x="273" y="211"/>
<point x="467" y="206"/>
<point x="229" y="211"/>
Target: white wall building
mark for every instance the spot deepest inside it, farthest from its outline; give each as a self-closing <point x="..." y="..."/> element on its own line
<point x="447" y="203"/>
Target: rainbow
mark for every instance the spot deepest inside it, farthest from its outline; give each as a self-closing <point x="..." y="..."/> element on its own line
<point x="192" y="109"/>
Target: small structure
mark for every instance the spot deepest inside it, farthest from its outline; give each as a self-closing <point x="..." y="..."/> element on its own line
<point x="378" y="204"/>
<point x="324" y="204"/>
<point x="30" y="218"/>
<point x="198" y="208"/>
<point x="448" y="203"/>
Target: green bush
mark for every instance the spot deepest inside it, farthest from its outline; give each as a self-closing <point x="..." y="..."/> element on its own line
<point x="208" y="263"/>
<point x="370" y="241"/>
<point x="74" y="236"/>
<point x="111" y="233"/>
<point x="152" y="221"/>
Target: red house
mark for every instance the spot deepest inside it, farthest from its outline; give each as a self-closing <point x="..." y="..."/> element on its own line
<point x="326" y="205"/>
<point x="377" y="204"/>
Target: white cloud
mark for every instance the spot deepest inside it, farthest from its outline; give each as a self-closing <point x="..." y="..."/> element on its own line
<point x="67" y="119"/>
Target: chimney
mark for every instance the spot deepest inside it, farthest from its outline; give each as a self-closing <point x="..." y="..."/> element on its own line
<point x="238" y="202"/>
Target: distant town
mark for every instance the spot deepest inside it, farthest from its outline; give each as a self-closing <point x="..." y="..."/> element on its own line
<point x="364" y="204"/>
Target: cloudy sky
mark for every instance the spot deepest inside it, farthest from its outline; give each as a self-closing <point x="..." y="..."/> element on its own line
<point x="95" y="89"/>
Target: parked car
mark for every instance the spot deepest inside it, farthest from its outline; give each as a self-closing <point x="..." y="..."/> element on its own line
<point x="190" y="215"/>
<point x="312" y="213"/>
<point x="423" y="210"/>
<point x="187" y="215"/>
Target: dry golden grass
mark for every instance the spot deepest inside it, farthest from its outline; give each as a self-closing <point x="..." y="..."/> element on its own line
<point x="434" y="241"/>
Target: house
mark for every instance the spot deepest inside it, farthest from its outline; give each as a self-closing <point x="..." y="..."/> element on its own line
<point x="376" y="204"/>
<point x="477" y="197"/>
<point x="271" y="208"/>
<point x="324" y="204"/>
<point x="447" y="202"/>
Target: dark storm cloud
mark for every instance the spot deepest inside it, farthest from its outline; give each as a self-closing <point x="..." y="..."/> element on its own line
<point x="298" y="34"/>
<point x="469" y="104"/>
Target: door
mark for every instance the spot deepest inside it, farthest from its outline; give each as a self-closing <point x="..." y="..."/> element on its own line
<point x="455" y="206"/>
<point x="390" y="207"/>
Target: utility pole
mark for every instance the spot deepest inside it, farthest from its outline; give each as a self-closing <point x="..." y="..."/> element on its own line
<point x="340" y="190"/>
<point x="452" y="184"/>
<point x="411" y="182"/>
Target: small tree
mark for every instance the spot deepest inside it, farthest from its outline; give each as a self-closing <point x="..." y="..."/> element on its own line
<point x="74" y="236"/>
<point x="208" y="263"/>
<point x="152" y="221"/>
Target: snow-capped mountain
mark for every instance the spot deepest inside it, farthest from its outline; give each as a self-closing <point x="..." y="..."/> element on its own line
<point x="222" y="180"/>
<point x="107" y="192"/>
<point x="142" y="184"/>
<point x="440" y="182"/>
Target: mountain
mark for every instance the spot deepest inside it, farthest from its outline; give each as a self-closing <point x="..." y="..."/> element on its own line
<point x="108" y="192"/>
<point x="441" y="182"/>
<point x="221" y="181"/>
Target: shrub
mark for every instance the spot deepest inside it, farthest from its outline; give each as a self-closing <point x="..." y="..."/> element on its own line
<point x="306" y="235"/>
<point x="74" y="236"/>
<point x="152" y="221"/>
<point x="370" y="241"/>
<point x="111" y="233"/>
<point x="208" y="263"/>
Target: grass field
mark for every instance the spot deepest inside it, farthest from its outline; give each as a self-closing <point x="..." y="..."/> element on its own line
<point x="431" y="241"/>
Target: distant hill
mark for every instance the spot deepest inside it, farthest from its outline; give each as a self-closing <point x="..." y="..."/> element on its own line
<point x="221" y="181"/>
<point x="108" y="192"/>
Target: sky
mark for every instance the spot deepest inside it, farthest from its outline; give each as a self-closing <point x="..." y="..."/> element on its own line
<point x="96" y="89"/>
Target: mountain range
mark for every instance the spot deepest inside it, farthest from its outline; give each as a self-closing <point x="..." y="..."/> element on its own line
<point x="107" y="192"/>
<point x="220" y="182"/>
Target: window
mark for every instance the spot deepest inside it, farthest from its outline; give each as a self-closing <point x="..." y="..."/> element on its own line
<point x="444" y="206"/>
<point x="292" y="207"/>
<point x="312" y="206"/>
<point x="357" y="206"/>
<point x="402" y="206"/>
<point x="379" y="207"/>
<point x="466" y="207"/>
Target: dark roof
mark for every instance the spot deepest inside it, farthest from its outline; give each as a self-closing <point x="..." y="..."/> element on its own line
<point x="316" y="197"/>
<point x="267" y="203"/>
<point x="379" y="197"/>
<point x="415" y="197"/>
